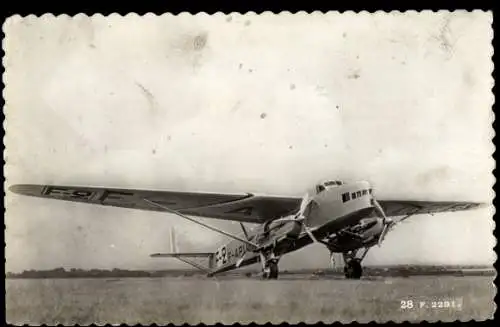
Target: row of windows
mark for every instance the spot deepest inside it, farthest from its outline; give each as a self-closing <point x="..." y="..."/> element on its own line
<point x="321" y="187"/>
<point x="333" y="183"/>
<point x="347" y="196"/>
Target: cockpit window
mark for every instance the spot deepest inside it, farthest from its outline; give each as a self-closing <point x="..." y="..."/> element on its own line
<point x="320" y="188"/>
<point x="333" y="183"/>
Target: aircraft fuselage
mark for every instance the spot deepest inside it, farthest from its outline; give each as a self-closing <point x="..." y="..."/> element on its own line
<point x="333" y="208"/>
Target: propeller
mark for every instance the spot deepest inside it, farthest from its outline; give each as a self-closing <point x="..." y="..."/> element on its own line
<point x="386" y="221"/>
<point x="309" y="232"/>
<point x="300" y="217"/>
<point x="240" y="260"/>
<point x="303" y="205"/>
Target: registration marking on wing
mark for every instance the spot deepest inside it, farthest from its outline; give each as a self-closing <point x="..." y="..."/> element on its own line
<point x="68" y="193"/>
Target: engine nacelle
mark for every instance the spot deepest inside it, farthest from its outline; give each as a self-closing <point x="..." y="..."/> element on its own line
<point x="364" y="234"/>
<point x="275" y="230"/>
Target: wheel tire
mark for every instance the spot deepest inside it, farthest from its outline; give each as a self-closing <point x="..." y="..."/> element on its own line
<point x="353" y="269"/>
<point x="273" y="270"/>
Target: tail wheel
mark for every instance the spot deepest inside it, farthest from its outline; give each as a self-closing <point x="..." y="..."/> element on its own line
<point x="353" y="269"/>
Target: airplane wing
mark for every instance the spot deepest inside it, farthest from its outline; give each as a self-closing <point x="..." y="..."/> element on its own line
<point x="247" y="207"/>
<point x="182" y="254"/>
<point x="408" y="208"/>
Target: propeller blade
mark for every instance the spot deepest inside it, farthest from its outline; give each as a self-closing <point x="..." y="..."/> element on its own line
<point x="304" y="203"/>
<point x="388" y="224"/>
<point x="288" y="219"/>
<point x="301" y="218"/>
<point x="240" y="260"/>
<point x="308" y="231"/>
<point x="382" y="235"/>
<point x="379" y="209"/>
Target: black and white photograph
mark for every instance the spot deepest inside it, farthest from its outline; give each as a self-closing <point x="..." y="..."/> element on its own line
<point x="243" y="167"/>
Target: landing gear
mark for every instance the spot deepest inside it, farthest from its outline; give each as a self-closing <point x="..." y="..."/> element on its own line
<point x="271" y="271"/>
<point x="353" y="268"/>
<point x="332" y="260"/>
<point x="269" y="267"/>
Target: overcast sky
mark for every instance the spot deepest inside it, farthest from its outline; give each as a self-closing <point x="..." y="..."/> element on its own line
<point x="268" y="104"/>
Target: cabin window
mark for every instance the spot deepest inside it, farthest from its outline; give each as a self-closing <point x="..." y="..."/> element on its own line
<point x="353" y="195"/>
<point x="365" y="192"/>
<point x="345" y="197"/>
<point x="358" y="194"/>
<point x="370" y="190"/>
<point x="320" y="188"/>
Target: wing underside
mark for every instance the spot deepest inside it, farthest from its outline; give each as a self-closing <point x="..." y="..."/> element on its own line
<point x="182" y="254"/>
<point x="247" y="207"/>
<point x="236" y="207"/>
<point x="393" y="208"/>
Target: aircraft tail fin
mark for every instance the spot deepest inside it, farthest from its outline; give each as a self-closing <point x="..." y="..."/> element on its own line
<point x="173" y="243"/>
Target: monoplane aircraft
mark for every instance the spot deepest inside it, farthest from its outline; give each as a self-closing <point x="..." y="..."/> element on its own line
<point x="344" y="217"/>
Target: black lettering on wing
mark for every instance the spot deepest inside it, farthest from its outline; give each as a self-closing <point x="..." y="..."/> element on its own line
<point x="124" y="199"/>
<point x="68" y="193"/>
<point x="56" y="191"/>
<point x="83" y="195"/>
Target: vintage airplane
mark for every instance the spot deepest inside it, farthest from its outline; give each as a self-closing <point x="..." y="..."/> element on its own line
<point x="345" y="217"/>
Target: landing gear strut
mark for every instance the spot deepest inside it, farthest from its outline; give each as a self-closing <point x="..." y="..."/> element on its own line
<point x="353" y="268"/>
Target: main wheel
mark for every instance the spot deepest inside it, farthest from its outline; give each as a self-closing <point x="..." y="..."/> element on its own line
<point x="353" y="269"/>
<point x="271" y="271"/>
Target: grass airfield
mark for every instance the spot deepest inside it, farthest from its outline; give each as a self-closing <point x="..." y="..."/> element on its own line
<point x="229" y="299"/>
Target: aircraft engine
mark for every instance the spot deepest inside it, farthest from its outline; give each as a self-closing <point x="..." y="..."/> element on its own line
<point x="364" y="234"/>
<point x="291" y="229"/>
